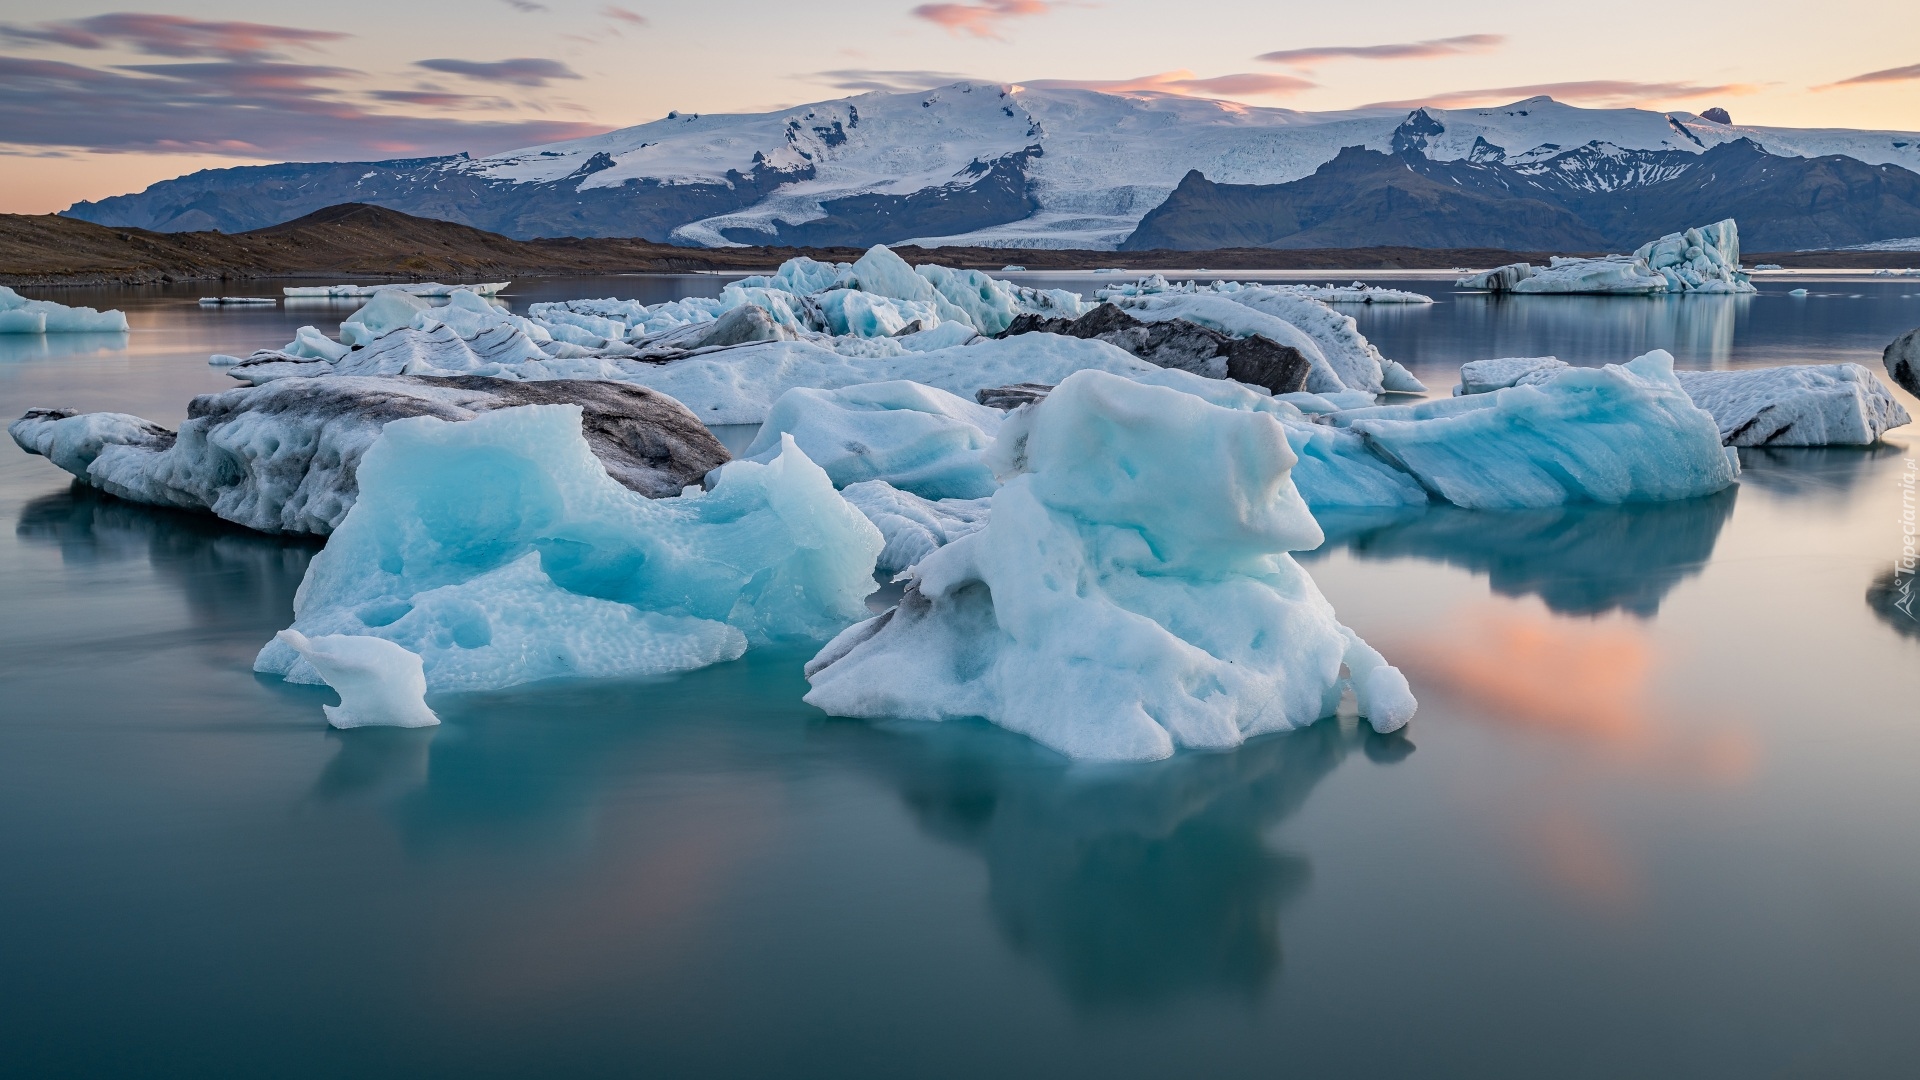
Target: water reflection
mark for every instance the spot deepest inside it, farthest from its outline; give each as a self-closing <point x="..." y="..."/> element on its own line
<point x="20" y="347"/>
<point x="1893" y="596"/>
<point x="1828" y="473"/>
<point x="1580" y="560"/>
<point x="231" y="578"/>
<point x="1699" y="330"/>
<point x="1134" y="885"/>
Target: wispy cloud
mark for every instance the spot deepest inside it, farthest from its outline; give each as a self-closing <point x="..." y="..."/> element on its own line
<point x="981" y="18"/>
<point x="527" y="7"/>
<point x="171" y="35"/>
<point x="1185" y="83"/>
<point x="620" y="14"/>
<point x="520" y="70"/>
<point x="1608" y="93"/>
<point x="244" y="109"/>
<point x="438" y="99"/>
<point x="1411" y="50"/>
<point x="1899" y="74"/>
<point x="889" y="81"/>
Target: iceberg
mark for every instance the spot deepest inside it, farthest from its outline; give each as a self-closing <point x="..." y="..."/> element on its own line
<point x="421" y="288"/>
<point x="380" y="684"/>
<point x="1181" y="344"/>
<point x="19" y="315"/>
<point x="1799" y="405"/>
<point x="1622" y="433"/>
<point x="916" y="438"/>
<point x="1699" y="260"/>
<point x="500" y="552"/>
<point x="914" y="527"/>
<point x="1902" y="358"/>
<point x="282" y="458"/>
<point x="1227" y="316"/>
<point x="1130" y="594"/>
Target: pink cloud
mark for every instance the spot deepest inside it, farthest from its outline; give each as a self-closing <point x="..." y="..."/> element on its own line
<point x="171" y="35"/>
<point x="1608" y="93"/>
<point x="1899" y="74"/>
<point x="1412" y="50"/>
<point x="981" y="18"/>
<point x="1185" y="83"/>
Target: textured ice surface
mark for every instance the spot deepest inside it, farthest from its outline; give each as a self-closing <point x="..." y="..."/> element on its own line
<point x="1704" y="260"/>
<point x="1485" y="376"/>
<point x="380" y="684"/>
<point x="1222" y="313"/>
<point x="501" y="552"/>
<point x="1902" y="359"/>
<point x="914" y="437"/>
<point x="19" y="315"/>
<point x="1805" y="405"/>
<point x="282" y="457"/>
<point x="1130" y="594"/>
<point x="912" y="526"/>
<point x="1622" y="433"/>
<point x="419" y="288"/>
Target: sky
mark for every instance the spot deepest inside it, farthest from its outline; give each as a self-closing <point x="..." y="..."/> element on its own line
<point x="99" y="100"/>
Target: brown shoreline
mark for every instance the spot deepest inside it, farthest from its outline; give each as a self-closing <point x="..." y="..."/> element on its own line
<point x="357" y="241"/>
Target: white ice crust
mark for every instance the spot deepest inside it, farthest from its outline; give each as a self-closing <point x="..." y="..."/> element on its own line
<point x="914" y="437"/>
<point x="1130" y="593"/>
<point x="380" y="684"/>
<point x="19" y="315"/>
<point x="500" y="551"/>
<point x="914" y="527"/>
<point x="1802" y="405"/>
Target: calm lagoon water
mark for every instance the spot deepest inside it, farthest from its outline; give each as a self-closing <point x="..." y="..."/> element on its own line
<point x="1656" y="816"/>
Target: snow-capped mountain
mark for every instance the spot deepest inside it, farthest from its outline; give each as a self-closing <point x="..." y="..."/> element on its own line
<point x="970" y="163"/>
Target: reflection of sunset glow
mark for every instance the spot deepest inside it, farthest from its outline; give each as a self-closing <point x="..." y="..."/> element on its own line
<point x="1588" y="680"/>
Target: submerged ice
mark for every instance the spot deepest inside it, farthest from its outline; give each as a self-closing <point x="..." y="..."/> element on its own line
<point x="1130" y="592"/>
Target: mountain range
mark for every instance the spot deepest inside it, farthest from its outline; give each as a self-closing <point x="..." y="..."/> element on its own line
<point x="988" y="165"/>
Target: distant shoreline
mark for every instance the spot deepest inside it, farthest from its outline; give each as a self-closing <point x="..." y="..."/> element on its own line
<point x="372" y="243"/>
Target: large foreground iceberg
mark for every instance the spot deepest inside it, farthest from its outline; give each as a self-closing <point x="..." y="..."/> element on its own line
<point x="1700" y="260"/>
<point x="500" y="552"/>
<point x="19" y="315"/>
<point x="1130" y="593"/>
<point x="1622" y="433"/>
<point x="282" y="457"/>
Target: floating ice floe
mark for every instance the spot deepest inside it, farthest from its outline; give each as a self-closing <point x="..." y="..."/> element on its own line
<point x="425" y="288"/>
<point x="1801" y="405"/>
<point x="877" y="308"/>
<point x="283" y="457"/>
<point x="1356" y="293"/>
<point x="19" y="315"/>
<point x="380" y="684"/>
<point x="1701" y="260"/>
<point x="1129" y="594"/>
<point x="500" y="552"/>
<point x="914" y="437"/>
<point x="1622" y="433"/>
<point x="237" y="301"/>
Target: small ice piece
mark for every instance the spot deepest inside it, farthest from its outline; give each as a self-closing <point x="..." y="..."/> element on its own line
<point x="1485" y="376"/>
<point x="1622" y="433"/>
<point x="423" y="288"/>
<point x="500" y="551"/>
<point x="1130" y="593"/>
<point x="914" y="437"/>
<point x="380" y="684"/>
<point x="914" y="527"/>
<point x="1796" y="292"/>
<point x="19" y="315"/>
<point x="1800" y="405"/>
